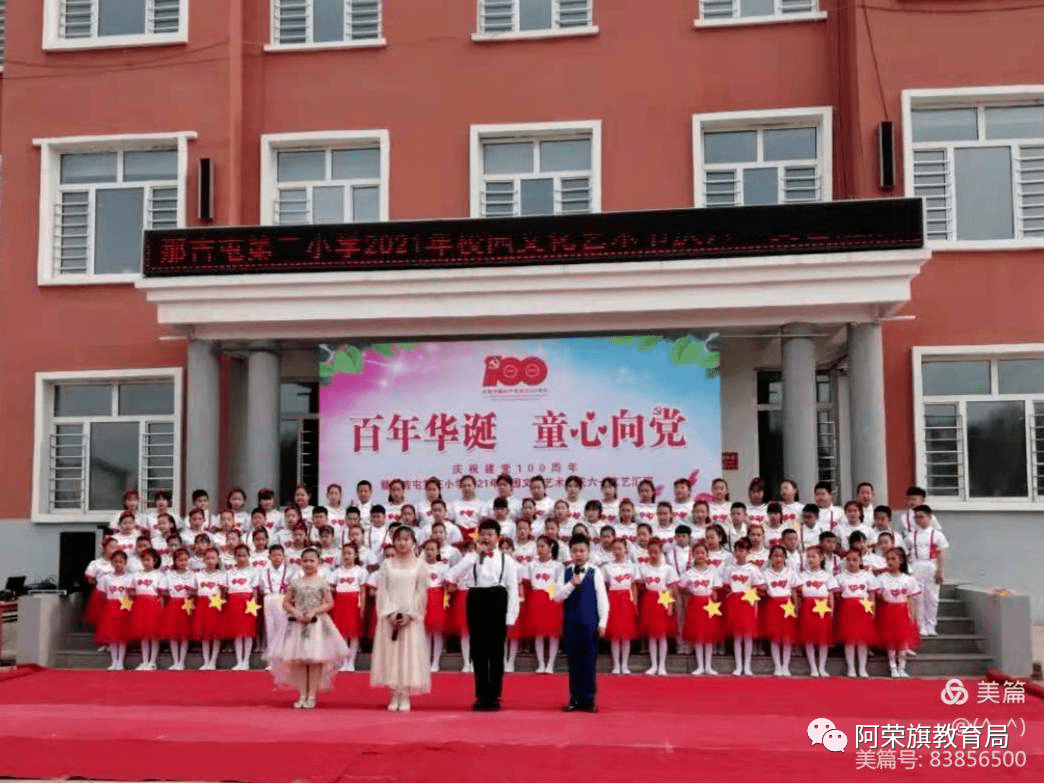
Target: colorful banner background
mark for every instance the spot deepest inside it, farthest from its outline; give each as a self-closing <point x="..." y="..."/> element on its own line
<point x="630" y="407"/>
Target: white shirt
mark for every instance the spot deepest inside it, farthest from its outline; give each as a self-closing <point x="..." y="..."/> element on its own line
<point x="242" y="580"/>
<point x="496" y="570"/>
<point x="844" y="530"/>
<point x="210" y="583"/>
<point x="525" y="553"/>
<point x="179" y="586"/>
<point x="861" y="584"/>
<point x="682" y="512"/>
<point x="610" y="511"/>
<point x="831" y="517"/>
<point x="792" y="514"/>
<point x="117" y="587"/>
<point x="466" y="513"/>
<point x="620" y="576"/>
<point x="542" y="574"/>
<point x="774" y="535"/>
<point x="758" y="557"/>
<point x="658" y="578"/>
<point x="735" y="533"/>
<point x="645" y="512"/>
<point x="926" y="544"/>
<point x="897" y="589"/>
<point x="601" y="597"/>
<point x="794" y="560"/>
<point x="720" y="559"/>
<point x="780" y="584"/>
<point x="576" y="510"/>
<point x="98" y="568"/>
<point x="816" y="584"/>
<point x="347" y="580"/>
<point x="679" y="558"/>
<point x="809" y="535"/>
<point x="600" y="556"/>
<point x="437" y="573"/>
<point x="544" y="507"/>
<point x="740" y="578"/>
<point x="628" y="533"/>
<point x="275" y="580"/>
<point x="701" y="582"/>
<point x="758" y="514"/>
<point x="874" y="562"/>
<point x="148" y="582"/>
<point x="907" y="523"/>
<point x="720" y="513"/>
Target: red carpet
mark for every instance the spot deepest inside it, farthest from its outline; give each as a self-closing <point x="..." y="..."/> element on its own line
<point x="234" y="726"/>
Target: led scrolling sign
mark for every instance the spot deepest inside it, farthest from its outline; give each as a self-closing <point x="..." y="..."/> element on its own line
<point x="840" y="226"/>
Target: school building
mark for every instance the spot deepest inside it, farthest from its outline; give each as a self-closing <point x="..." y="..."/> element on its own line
<point x="850" y="196"/>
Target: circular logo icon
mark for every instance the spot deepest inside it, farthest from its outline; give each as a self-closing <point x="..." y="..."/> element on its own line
<point x="954" y="693"/>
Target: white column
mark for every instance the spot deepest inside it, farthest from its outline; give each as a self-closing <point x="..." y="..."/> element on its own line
<point x="866" y="406"/>
<point x="237" y="421"/>
<point x="800" y="460"/>
<point x="262" y="420"/>
<point x="202" y="436"/>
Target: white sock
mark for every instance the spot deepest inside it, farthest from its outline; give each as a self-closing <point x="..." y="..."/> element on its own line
<point x="786" y="656"/>
<point x="810" y="653"/>
<point x="436" y="649"/>
<point x="538" y="643"/>
<point x="861" y="651"/>
<point x="708" y="656"/>
<point x="737" y="651"/>
<point x="774" y="649"/>
<point x="121" y="651"/>
<point x="822" y="658"/>
<point x="850" y="657"/>
<point x="698" y="649"/>
<point x="183" y="646"/>
<point x="748" y="652"/>
<point x="615" y="647"/>
<point x="662" y="665"/>
<point x="237" y="645"/>
<point x="902" y="660"/>
<point x="353" y="650"/>
<point x="512" y="651"/>
<point x="552" y="651"/>
<point x="891" y="659"/>
<point x="465" y="649"/>
<point x="114" y="654"/>
<point x="248" y="647"/>
<point x="625" y="653"/>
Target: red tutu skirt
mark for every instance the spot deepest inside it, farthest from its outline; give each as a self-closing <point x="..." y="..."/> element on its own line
<point x="854" y="624"/>
<point x="95" y="606"/>
<point x="623" y="617"/>
<point x="114" y="624"/>
<point x="457" y="617"/>
<point x="435" y="614"/>
<point x="813" y="629"/>
<point x="208" y="622"/>
<point x="654" y="621"/>
<point x="896" y="630"/>
<point x="700" y="627"/>
<point x="176" y="624"/>
<point x="742" y="618"/>
<point x="346" y="615"/>
<point x="544" y="616"/>
<point x="520" y="629"/>
<point x="773" y="623"/>
<point x="146" y="615"/>
<point x="239" y="624"/>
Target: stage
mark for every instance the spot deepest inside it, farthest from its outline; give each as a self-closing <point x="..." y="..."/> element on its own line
<point x="217" y="726"/>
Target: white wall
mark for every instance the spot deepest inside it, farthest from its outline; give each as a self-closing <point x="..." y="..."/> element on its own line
<point x="997" y="550"/>
<point x="740" y="359"/>
<point x="31" y="550"/>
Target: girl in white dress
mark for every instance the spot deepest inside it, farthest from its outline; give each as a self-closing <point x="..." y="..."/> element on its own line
<point x="308" y="651"/>
<point x="400" y="651"/>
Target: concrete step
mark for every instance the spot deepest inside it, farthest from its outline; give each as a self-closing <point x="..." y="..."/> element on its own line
<point x="955" y="624"/>
<point x="924" y="665"/>
<point x="949" y="607"/>
<point x="951" y="643"/>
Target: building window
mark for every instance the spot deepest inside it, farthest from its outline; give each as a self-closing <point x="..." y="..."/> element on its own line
<point x="98" y="23"/>
<point x="338" y="178"/>
<point x="324" y="23"/>
<point x="100" y="434"/>
<point x="747" y="11"/>
<point x="981" y="423"/>
<point x="536" y="18"/>
<point x="978" y="163"/>
<point x="538" y="169"/>
<point x="299" y="439"/>
<point x="750" y="158"/>
<point x="97" y="197"/>
<point x="770" y="430"/>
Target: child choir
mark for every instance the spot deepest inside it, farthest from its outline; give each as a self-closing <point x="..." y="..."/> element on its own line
<point x="696" y="571"/>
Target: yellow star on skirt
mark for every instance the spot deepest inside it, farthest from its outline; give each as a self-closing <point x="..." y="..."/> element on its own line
<point x="216" y="601"/>
<point x="551" y="589"/>
<point x="252" y="606"/>
<point x="750" y="595"/>
<point x="188" y="606"/>
<point x="789" y="610"/>
<point x="712" y="608"/>
<point x="868" y="605"/>
<point x="822" y="608"/>
<point x="126" y="604"/>
<point x="665" y="599"/>
<point x="445" y="600"/>
<point x="474" y="534"/>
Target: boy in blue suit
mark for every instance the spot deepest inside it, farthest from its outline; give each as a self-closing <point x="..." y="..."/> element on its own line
<point x="586" y="612"/>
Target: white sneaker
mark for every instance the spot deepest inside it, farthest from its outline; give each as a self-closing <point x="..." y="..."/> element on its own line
<point x="351" y="666"/>
<point x="711" y="671"/>
<point x="662" y="671"/>
<point x="651" y="670"/>
<point x="404" y="703"/>
<point x="777" y="672"/>
<point x="786" y="673"/>
<point x="435" y="668"/>
<point x="344" y="667"/>
<point x="851" y="672"/>
<point x="894" y="671"/>
<point x="393" y="705"/>
<point x="911" y="653"/>
<point x="616" y="670"/>
<point x="239" y="667"/>
<point x="738" y="672"/>
<point x="508" y="667"/>
<point x="624" y="670"/>
<point x="299" y="704"/>
<point x="903" y="674"/>
<point x="747" y="671"/>
<point x="813" y="671"/>
<point x="467" y="669"/>
<point x="824" y="673"/>
<point x="141" y="667"/>
<point x="309" y="704"/>
<point x="113" y="667"/>
<point x="864" y="674"/>
<point x="698" y="671"/>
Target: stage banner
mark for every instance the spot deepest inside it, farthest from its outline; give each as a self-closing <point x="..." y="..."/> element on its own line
<point x="624" y="406"/>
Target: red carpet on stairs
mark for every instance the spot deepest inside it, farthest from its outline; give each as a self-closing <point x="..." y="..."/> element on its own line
<point x="203" y="726"/>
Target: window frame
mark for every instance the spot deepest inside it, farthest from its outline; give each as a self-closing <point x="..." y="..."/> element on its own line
<point x="820" y="116"/>
<point x="966" y="97"/>
<point x="274" y="143"/>
<point x="51" y="150"/>
<point x="818" y="13"/>
<point x="52" y="39"/>
<point x="43" y="417"/>
<point x="534" y="132"/>
<point x="274" y="45"/>
<point x="481" y="36"/>
<point x="988" y="353"/>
